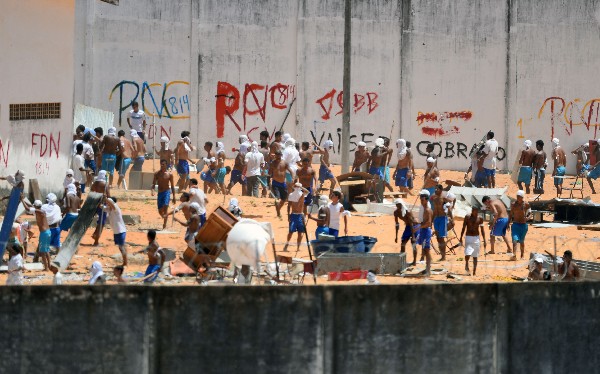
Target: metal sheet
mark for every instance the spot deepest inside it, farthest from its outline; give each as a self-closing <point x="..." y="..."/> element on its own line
<point x="92" y="117"/>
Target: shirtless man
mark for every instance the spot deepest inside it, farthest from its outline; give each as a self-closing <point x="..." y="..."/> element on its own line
<point x="139" y="151"/>
<point x="165" y="152"/>
<point x="275" y="145"/>
<point x="360" y="156"/>
<point x="560" y="163"/>
<point x="478" y="177"/>
<point x="384" y="168"/>
<point x="156" y="258"/>
<point x="538" y="272"/>
<point x="568" y="270"/>
<point x="431" y="178"/>
<point x="295" y="213"/>
<point x="237" y="174"/>
<point x="72" y="206"/>
<point x="473" y="225"/>
<point x="278" y="187"/>
<point x="539" y="167"/>
<point x="404" y="166"/>
<point x="500" y="223"/>
<point x="306" y="152"/>
<point x="308" y="178"/>
<point x="197" y="196"/>
<point x="100" y="186"/>
<point x="440" y="219"/>
<point x="89" y="159"/>
<point x="429" y="152"/>
<point x="182" y="159"/>
<point x="322" y="219"/>
<point x="325" y="168"/>
<point x="377" y="158"/>
<point x="126" y="151"/>
<point x="424" y="237"/>
<point x="411" y="228"/>
<point x="192" y="224"/>
<point x="184" y="207"/>
<point x="526" y="169"/>
<point x="519" y="210"/>
<point x="109" y="147"/>
<point x="220" y="170"/>
<point x="594" y="170"/>
<point x="42" y="222"/>
<point x="163" y="178"/>
<point x="208" y="176"/>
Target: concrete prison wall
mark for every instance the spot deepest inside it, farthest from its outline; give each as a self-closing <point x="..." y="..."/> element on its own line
<point x="470" y="328"/>
<point x="441" y="71"/>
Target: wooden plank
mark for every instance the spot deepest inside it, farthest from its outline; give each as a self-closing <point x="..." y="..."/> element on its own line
<point x="9" y="218"/>
<point x="352" y="183"/>
<point x="80" y="226"/>
<point x="34" y="189"/>
<point x="589" y="227"/>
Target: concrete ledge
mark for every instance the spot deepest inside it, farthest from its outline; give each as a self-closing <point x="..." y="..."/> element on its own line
<point x="380" y="263"/>
<point x="435" y="328"/>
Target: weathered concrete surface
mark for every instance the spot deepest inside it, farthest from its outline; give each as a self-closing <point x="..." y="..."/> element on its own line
<point x="471" y="328"/>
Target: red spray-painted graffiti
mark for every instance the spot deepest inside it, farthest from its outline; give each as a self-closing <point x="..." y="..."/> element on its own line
<point x="160" y="132"/>
<point x="3" y="154"/>
<point x="572" y="113"/>
<point x="257" y="100"/>
<point x="444" y="122"/>
<point x="326" y="102"/>
<point x="44" y="144"/>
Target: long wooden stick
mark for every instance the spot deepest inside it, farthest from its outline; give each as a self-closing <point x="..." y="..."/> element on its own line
<point x="312" y="262"/>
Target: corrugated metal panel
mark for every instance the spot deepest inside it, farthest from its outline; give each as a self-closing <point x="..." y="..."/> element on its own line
<point x="92" y="117"/>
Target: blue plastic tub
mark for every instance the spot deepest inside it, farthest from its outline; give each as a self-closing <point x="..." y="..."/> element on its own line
<point x="369" y="243"/>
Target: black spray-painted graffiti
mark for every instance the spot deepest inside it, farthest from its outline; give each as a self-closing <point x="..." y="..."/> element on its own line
<point x="448" y="150"/>
<point x="336" y="138"/>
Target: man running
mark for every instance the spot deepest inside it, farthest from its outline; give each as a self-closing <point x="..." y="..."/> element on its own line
<point x="237" y="173"/>
<point x="361" y="156"/>
<point x="296" y="214"/>
<point x="473" y="225"/>
<point x="115" y="218"/>
<point x="501" y="221"/>
<point x="519" y="211"/>
<point x="411" y="228"/>
<point x="165" y="152"/>
<point x="109" y="147"/>
<point x="163" y="178"/>
<point x="306" y="177"/>
<point x="424" y="237"/>
<point x="126" y="152"/>
<point x="278" y="186"/>
<point x="404" y="166"/>
<point x="526" y="169"/>
<point x="490" y="150"/>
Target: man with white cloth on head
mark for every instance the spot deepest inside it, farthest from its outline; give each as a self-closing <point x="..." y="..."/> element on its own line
<point x="254" y="162"/>
<point x="490" y="150"/>
<point x="291" y="156"/>
<point x="54" y="216"/>
<point x="165" y="152"/>
<point x="361" y="156"/>
<point x="72" y="205"/>
<point x="404" y="167"/>
<point x="560" y="163"/>
<point x="296" y="216"/>
<point x="97" y="273"/>
<point x="110" y="147"/>
<point x="473" y="225"/>
<point x="526" y="169"/>
<point x="139" y="151"/>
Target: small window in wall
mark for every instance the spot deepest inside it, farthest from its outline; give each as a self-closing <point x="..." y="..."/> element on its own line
<point x="34" y="111"/>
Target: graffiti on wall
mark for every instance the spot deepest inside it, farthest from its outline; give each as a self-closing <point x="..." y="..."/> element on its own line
<point x="450" y="150"/>
<point x="566" y="114"/>
<point x="167" y="100"/>
<point x="336" y="137"/>
<point x="443" y="123"/>
<point x="258" y="101"/>
<point x="44" y="146"/>
<point x="332" y="102"/>
<point x="4" y="152"/>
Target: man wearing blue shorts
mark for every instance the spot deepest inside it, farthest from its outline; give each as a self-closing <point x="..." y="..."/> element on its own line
<point x="526" y="169"/>
<point x="110" y="146"/>
<point x="296" y="214"/>
<point x="560" y="163"/>
<point x="403" y="167"/>
<point x="278" y="187"/>
<point x="307" y="177"/>
<point x="442" y="209"/>
<point x="594" y="170"/>
<point x="45" y="234"/>
<point x="156" y="258"/>
<point x="411" y="229"/>
<point x="126" y="152"/>
<point x="490" y="150"/>
<point x="377" y="159"/>
<point x="500" y="224"/>
<point x="163" y="178"/>
<point x="424" y="238"/>
<point x="115" y="218"/>
<point x="519" y="210"/>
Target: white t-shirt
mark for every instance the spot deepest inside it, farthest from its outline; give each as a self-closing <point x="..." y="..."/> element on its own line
<point x="291" y="157"/>
<point x="78" y="162"/>
<point x="115" y="219"/>
<point x="197" y="196"/>
<point x="491" y="148"/>
<point x="136" y="119"/>
<point x="334" y="215"/>
<point x="253" y="162"/>
<point x="53" y="213"/>
<point x="15" y="278"/>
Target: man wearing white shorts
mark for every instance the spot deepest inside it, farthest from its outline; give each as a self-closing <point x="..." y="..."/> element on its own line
<point x="473" y="225"/>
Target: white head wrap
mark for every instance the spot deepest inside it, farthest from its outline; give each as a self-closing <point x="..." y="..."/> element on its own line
<point x="539" y="258"/>
<point x="328" y="144"/>
<point x="450" y="196"/>
<point x="243" y="149"/>
<point x="51" y="198"/>
<point x="424" y="192"/>
<point x="71" y="189"/>
<point x="323" y="200"/>
<point x="403" y="211"/>
<point x="285" y="137"/>
<point x="220" y="147"/>
<point x="19" y="176"/>
<point x="362" y="144"/>
<point x="254" y="147"/>
<point x="233" y="203"/>
<point x="430" y="160"/>
<point x="520" y="193"/>
<point x="527" y="144"/>
<point x="37" y="204"/>
<point x="96" y="272"/>
<point x="186" y="143"/>
<point x="379" y="142"/>
<point x="402" y="151"/>
<point x="112" y="131"/>
<point x="165" y="140"/>
<point x="243" y="139"/>
<point x="555" y="143"/>
<point x="101" y="177"/>
<point x="134" y="133"/>
<point x="195" y="206"/>
<point x="290" y="142"/>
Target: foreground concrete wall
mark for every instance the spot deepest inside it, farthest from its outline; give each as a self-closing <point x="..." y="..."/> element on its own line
<point x="443" y="71"/>
<point x="471" y="328"/>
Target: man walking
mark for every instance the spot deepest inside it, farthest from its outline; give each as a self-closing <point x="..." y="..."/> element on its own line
<point x="137" y="120"/>
<point x="254" y="161"/>
<point x="411" y="228"/>
<point x="526" y="169"/>
<point x="560" y="163"/>
<point x="109" y="147"/>
<point x="519" y="210"/>
<point x="490" y="150"/>
<point x="473" y="225"/>
<point x="164" y="179"/>
<point x="500" y="223"/>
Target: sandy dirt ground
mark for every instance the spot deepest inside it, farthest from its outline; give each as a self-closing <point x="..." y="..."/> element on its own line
<point x="492" y="268"/>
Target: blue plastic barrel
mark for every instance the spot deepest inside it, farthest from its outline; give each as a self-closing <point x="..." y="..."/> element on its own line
<point x="369" y="243"/>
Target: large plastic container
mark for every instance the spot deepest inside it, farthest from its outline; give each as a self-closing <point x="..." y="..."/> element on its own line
<point x="369" y="243"/>
<point x="347" y="244"/>
<point x="320" y="246"/>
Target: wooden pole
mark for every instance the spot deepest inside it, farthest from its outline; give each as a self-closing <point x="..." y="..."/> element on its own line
<point x="345" y="146"/>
